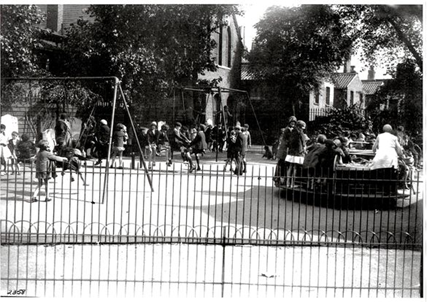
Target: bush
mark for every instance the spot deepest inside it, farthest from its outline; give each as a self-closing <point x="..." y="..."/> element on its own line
<point x="341" y="121"/>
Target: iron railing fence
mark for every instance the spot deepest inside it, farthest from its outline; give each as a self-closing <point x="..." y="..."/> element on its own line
<point x="238" y="234"/>
<point x="120" y="207"/>
<point x="200" y="270"/>
<point x="318" y="112"/>
<point x="321" y="112"/>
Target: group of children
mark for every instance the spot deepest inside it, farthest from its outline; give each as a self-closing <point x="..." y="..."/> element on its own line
<point x="295" y="151"/>
<point x="317" y="157"/>
<point x="14" y="151"/>
<point x="238" y="142"/>
<point x="194" y="140"/>
<point x="321" y="156"/>
<point x="17" y="150"/>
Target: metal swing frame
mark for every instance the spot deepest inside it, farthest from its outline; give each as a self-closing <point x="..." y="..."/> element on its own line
<point x="117" y="87"/>
<point x="220" y="90"/>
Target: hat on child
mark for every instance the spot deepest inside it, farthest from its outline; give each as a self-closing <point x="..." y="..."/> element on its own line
<point x="104" y="122"/>
<point x="321" y="138"/>
<point x="292" y="119"/>
<point x="301" y="124"/>
<point x="43" y="144"/>
<point x="337" y="142"/>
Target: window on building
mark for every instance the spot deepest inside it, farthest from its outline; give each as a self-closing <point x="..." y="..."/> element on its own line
<point x="215" y="53"/>
<point x="228" y="46"/>
<point x="328" y="95"/>
<point x="317" y="97"/>
<point x="361" y="100"/>
<point x="220" y="44"/>
<point x="351" y="98"/>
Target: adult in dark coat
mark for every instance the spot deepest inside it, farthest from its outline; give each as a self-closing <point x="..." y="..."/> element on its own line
<point x="296" y="152"/>
<point x="63" y="135"/>
<point x="282" y="150"/>
<point x="103" y="142"/>
<point x="238" y="147"/>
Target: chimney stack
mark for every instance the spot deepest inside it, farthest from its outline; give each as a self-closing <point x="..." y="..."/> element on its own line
<point x="243" y="34"/>
<point x="347" y="65"/>
<point x="371" y="73"/>
<point x="353" y="69"/>
<point x="55" y="17"/>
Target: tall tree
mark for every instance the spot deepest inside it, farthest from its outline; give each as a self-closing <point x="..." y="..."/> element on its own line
<point x="386" y="33"/>
<point x="21" y="50"/>
<point x="150" y="48"/>
<point x="20" y="39"/>
<point x="401" y="98"/>
<point x="295" y="48"/>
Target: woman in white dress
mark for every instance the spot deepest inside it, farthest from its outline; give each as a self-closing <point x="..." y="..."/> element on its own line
<point x="5" y="154"/>
<point x="387" y="150"/>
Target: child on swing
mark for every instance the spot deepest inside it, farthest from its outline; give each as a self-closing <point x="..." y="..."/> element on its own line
<point x="73" y="164"/>
<point x="45" y="160"/>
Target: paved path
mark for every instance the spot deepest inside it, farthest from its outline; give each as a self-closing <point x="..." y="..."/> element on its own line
<point x="207" y="204"/>
<point x="192" y="205"/>
<point x="208" y="271"/>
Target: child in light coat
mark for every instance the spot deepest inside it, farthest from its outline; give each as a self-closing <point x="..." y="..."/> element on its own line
<point x="45" y="160"/>
<point x="13" y="146"/>
<point x="5" y="154"/>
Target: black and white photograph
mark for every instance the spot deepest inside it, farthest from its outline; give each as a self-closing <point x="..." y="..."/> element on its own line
<point x="232" y="150"/>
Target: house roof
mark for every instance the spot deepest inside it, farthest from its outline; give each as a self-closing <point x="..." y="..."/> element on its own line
<point x="342" y="80"/>
<point x="247" y="75"/>
<point x="371" y="86"/>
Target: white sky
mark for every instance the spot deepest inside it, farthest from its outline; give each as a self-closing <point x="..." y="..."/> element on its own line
<point x="254" y="11"/>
